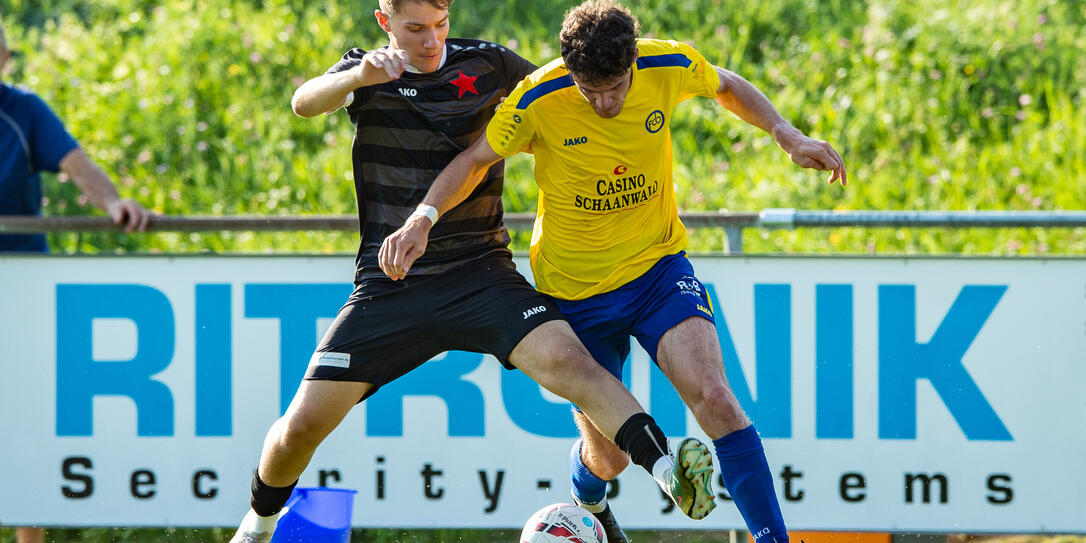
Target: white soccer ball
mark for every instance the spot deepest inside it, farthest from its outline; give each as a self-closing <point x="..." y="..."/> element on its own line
<point x="562" y="522"/>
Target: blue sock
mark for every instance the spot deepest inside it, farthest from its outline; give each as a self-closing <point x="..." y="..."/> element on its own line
<point x="586" y="486"/>
<point x="747" y="478"/>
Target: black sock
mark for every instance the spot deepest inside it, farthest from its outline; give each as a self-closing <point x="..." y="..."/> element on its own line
<point x="643" y="440"/>
<point x="268" y="500"/>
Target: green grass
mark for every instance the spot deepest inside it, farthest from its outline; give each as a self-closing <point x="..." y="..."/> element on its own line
<point x="934" y="106"/>
<point x="220" y="535"/>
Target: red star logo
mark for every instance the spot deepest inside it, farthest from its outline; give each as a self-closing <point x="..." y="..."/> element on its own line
<point x="465" y="83"/>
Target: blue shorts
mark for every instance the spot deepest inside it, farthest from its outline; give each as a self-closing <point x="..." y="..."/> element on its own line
<point x="644" y="308"/>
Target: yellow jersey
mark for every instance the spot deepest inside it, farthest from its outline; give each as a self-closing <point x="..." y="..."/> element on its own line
<point x="607" y="207"/>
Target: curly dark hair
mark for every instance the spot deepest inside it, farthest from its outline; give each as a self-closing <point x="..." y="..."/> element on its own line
<point x="392" y="7"/>
<point x="599" y="41"/>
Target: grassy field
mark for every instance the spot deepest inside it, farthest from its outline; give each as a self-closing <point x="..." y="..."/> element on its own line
<point x="479" y="536"/>
<point x="934" y="105"/>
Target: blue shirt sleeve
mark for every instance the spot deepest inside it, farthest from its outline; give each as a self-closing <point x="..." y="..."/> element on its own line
<point x="49" y="140"/>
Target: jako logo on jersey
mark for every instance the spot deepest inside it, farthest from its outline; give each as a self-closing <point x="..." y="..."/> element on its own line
<point x="575" y="141"/>
<point x="409" y="92"/>
<point x="763" y="531"/>
<point x="655" y="121"/>
<point x="535" y="310"/>
<point x="620" y="169"/>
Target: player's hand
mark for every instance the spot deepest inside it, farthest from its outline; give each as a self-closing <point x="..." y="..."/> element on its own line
<point x="816" y="154"/>
<point x="400" y="250"/>
<point x="381" y="66"/>
<point x="129" y="213"/>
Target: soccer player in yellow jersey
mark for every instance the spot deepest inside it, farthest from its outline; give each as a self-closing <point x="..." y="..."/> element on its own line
<point x="608" y="244"/>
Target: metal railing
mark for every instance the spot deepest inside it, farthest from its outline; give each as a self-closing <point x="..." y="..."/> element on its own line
<point x="733" y="223"/>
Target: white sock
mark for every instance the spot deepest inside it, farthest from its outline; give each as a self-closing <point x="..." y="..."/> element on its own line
<point x="661" y="471"/>
<point x="258" y="524"/>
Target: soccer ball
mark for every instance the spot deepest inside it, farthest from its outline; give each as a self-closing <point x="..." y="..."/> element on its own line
<point x="562" y="522"/>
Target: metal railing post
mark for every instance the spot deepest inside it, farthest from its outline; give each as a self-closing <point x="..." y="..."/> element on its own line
<point x="733" y="240"/>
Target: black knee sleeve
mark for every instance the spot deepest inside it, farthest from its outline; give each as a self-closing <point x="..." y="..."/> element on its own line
<point x="268" y="500"/>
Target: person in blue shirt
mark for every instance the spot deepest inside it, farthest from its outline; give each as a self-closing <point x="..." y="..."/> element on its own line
<point x="34" y="140"/>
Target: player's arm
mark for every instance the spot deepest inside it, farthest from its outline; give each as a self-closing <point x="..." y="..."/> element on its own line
<point x="739" y="96"/>
<point x="452" y="186"/>
<point x="328" y="92"/>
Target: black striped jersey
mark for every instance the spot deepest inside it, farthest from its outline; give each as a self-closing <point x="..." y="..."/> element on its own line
<point x="407" y="131"/>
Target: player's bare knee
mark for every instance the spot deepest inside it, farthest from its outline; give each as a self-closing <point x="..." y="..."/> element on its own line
<point x="717" y="399"/>
<point x="303" y="431"/>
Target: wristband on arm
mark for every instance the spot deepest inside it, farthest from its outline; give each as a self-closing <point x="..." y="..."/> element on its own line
<point x="428" y="211"/>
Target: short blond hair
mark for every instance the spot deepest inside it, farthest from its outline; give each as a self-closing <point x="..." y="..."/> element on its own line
<point x="392" y="7"/>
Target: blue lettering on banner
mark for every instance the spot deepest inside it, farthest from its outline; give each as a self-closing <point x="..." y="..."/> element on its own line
<point x="297" y="306"/>
<point x="214" y="414"/>
<point x="772" y="412"/>
<point x="80" y="377"/>
<point x="665" y="405"/>
<point x="833" y="361"/>
<point x="531" y="412"/>
<point x="903" y="361"/>
<point x="440" y="378"/>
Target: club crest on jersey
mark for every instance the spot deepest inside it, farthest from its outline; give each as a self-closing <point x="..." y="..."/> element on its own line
<point x="655" y="121"/>
<point x="535" y="311"/>
<point x="689" y="286"/>
<point x="575" y="141"/>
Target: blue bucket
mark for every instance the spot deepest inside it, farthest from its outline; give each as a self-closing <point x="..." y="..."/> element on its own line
<point x="316" y="515"/>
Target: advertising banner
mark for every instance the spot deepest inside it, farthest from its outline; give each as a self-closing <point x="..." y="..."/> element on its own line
<point x="892" y="394"/>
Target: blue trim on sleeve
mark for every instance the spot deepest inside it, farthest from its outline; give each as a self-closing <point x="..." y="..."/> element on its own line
<point x="660" y="61"/>
<point x="544" y="89"/>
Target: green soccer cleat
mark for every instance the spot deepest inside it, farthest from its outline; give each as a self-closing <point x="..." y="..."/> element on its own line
<point x="692" y="479"/>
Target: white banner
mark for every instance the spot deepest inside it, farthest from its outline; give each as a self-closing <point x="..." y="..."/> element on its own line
<point x="892" y="394"/>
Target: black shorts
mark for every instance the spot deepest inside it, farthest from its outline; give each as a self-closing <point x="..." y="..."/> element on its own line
<point x="484" y="306"/>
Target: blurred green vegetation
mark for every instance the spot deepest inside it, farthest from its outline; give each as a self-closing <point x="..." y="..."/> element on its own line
<point x="934" y="105"/>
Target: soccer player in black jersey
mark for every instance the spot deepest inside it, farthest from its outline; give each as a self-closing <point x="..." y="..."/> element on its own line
<point x="416" y="104"/>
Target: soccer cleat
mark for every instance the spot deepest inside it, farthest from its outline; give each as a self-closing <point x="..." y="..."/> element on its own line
<point x="602" y="511"/>
<point x="691" y="485"/>
<point x="610" y="526"/>
<point x="250" y="532"/>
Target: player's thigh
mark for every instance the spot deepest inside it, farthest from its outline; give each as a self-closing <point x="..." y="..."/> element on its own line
<point x="319" y="406"/>
<point x="689" y="354"/>
<point x="552" y="356"/>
